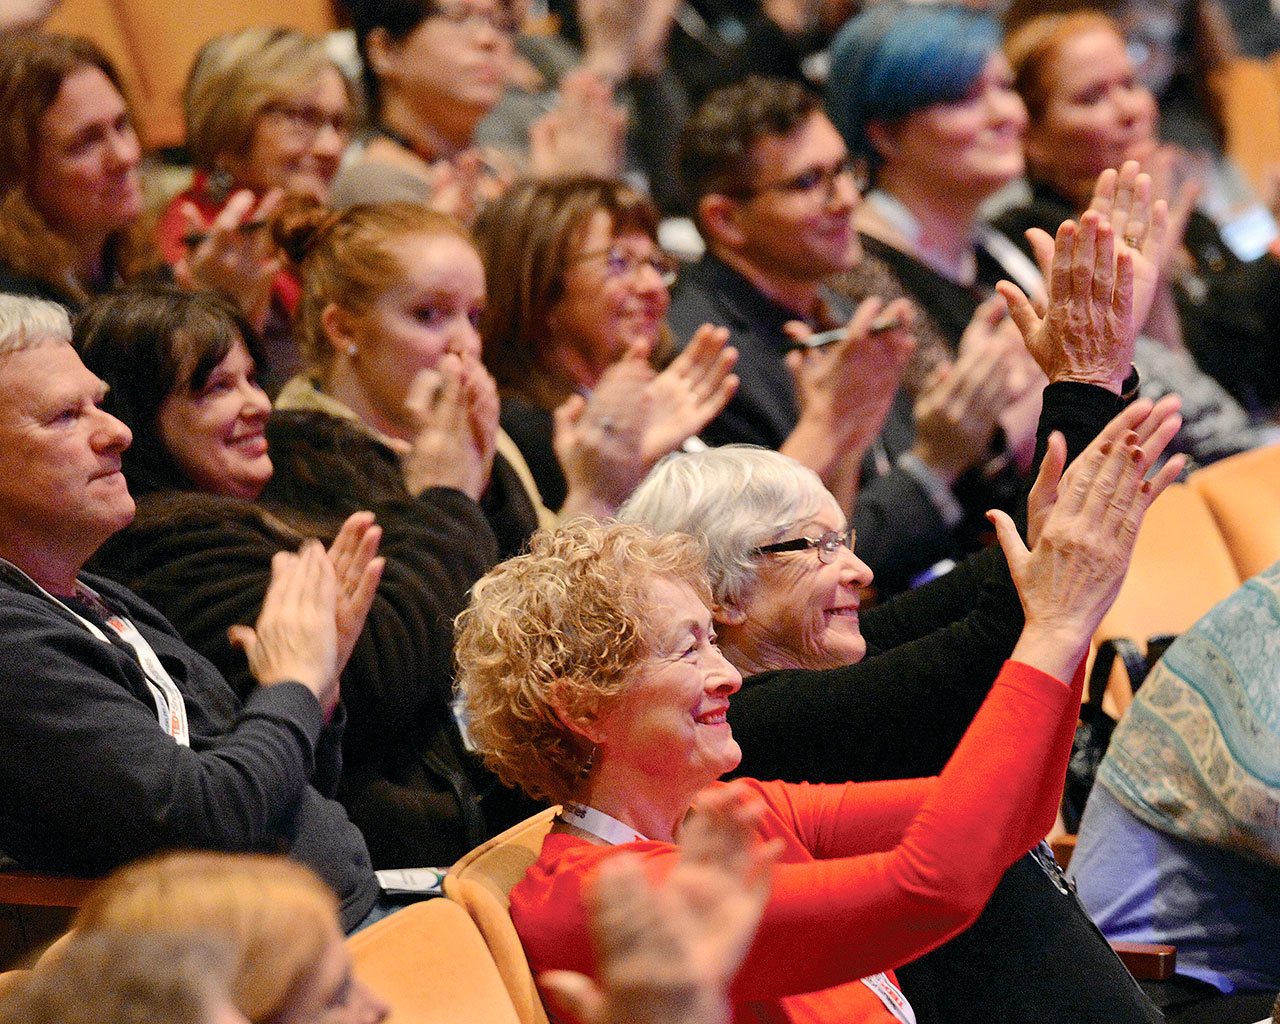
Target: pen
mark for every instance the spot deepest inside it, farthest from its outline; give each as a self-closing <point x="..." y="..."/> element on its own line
<point x="194" y="238"/>
<point x="884" y="322"/>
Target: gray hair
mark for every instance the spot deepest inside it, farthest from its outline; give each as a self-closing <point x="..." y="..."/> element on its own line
<point x="734" y="498"/>
<point x="26" y="323"/>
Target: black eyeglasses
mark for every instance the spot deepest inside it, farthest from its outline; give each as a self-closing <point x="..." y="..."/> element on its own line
<point x="828" y="545"/>
<point x="817" y="181"/>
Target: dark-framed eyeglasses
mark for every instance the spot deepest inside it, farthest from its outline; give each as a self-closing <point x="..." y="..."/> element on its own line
<point x="499" y="17"/>
<point x="827" y="545"/>
<point x="815" y="181"/>
<point x="307" y="121"/>
<point x="619" y="263"/>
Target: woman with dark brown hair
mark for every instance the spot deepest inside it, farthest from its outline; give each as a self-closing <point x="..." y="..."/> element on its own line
<point x="217" y="501"/>
<point x="577" y="284"/>
<point x="70" y="191"/>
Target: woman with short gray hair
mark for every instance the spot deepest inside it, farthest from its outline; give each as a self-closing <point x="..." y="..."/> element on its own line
<point x="832" y="694"/>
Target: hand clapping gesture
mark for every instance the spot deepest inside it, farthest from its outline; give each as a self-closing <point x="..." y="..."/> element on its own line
<point x="690" y="392"/>
<point x="669" y="950"/>
<point x="235" y="254"/>
<point x="455" y="411"/>
<point x="1088" y="329"/>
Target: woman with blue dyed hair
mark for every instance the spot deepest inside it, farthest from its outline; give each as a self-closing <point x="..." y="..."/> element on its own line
<point x="925" y="94"/>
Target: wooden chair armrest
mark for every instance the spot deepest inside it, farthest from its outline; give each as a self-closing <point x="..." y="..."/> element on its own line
<point x="1063" y="847"/>
<point x="1147" y="961"/>
<point x="30" y="889"/>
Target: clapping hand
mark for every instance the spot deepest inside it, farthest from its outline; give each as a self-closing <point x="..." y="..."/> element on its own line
<point x="851" y="384"/>
<point x="669" y="950"/>
<point x="235" y="254"/>
<point x="295" y="638"/>
<point x="1083" y="525"/>
<point x="690" y="392"/>
<point x="1087" y="332"/>
<point x="358" y="571"/>
<point x="599" y="442"/>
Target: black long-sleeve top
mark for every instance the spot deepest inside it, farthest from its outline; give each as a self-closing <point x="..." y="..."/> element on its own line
<point x="933" y="654"/>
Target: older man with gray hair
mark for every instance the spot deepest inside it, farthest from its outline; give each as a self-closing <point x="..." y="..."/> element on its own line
<point x="119" y="739"/>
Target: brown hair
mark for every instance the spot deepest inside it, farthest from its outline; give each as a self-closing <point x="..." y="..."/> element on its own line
<point x="274" y="914"/>
<point x="558" y="632"/>
<point x="346" y="259"/>
<point x="1034" y="43"/>
<point x="528" y="239"/>
<point x="716" y="143"/>
<point x="33" y="67"/>
<point x="236" y="76"/>
<point x="1035" y="29"/>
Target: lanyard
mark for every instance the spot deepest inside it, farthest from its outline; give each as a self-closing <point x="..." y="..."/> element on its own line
<point x="171" y="709"/>
<point x="602" y="826"/>
<point x="889" y="994"/>
<point x="612" y="831"/>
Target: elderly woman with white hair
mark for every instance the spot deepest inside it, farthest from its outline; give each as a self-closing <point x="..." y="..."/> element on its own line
<point x="833" y="695"/>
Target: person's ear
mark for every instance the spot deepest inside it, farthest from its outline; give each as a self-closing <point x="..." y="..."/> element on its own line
<point x="587" y="726"/>
<point x="336" y="324"/>
<point x="719" y="216"/>
<point x="727" y="614"/>
<point x="883" y="137"/>
<point x="379" y="51"/>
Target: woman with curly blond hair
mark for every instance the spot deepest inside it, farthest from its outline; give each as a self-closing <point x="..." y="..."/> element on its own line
<point x="590" y="676"/>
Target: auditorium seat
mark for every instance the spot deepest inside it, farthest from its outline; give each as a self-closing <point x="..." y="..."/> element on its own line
<point x="1181" y="567"/>
<point x="481" y="881"/>
<point x="155" y="41"/>
<point x="431" y="965"/>
<point x="1243" y="493"/>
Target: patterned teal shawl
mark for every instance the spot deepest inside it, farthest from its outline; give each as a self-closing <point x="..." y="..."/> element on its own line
<point x="1197" y="755"/>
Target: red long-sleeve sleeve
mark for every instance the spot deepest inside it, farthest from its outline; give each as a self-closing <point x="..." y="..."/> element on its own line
<point x="872" y="874"/>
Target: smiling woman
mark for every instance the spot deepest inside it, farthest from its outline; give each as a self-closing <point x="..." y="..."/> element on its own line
<point x="590" y="676"/>
<point x="70" y="195"/>
<point x="181" y="366"/>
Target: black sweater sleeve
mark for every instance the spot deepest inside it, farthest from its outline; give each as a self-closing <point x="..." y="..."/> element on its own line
<point x="210" y="570"/>
<point x="934" y="655"/>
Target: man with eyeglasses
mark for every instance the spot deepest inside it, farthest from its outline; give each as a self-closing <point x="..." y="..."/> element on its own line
<point x="775" y="189"/>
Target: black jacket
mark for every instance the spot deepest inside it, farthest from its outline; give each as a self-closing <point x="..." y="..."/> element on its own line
<point x="933" y="654"/>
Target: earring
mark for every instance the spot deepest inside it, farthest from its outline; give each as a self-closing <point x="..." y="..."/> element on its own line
<point x="591" y="757"/>
<point x="218" y="186"/>
<point x="352" y="350"/>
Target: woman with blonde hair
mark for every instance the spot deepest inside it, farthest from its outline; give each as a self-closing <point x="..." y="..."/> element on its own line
<point x="290" y="964"/>
<point x="267" y="112"/>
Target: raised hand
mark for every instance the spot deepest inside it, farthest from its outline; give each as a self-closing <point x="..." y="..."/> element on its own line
<point x="585" y="132"/>
<point x="357" y="570"/>
<point x="623" y="38"/>
<point x="235" y="254"/>
<point x="1084" y="531"/>
<point x="599" y="443"/>
<point x="690" y="392"/>
<point x="668" y="951"/>
<point x="295" y="638"/>
<point x="1088" y="330"/>
<point x="455" y="413"/>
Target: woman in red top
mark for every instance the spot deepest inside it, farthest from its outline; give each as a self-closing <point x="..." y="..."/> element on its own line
<point x="590" y="676"/>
